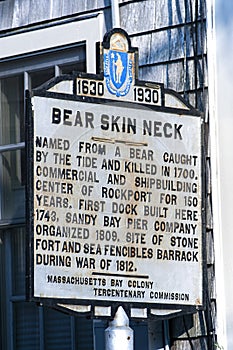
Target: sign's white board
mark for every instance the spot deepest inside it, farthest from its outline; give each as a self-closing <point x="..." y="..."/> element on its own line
<point x="117" y="203"/>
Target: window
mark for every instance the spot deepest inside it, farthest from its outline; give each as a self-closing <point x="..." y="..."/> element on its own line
<point x="34" y="326"/>
<point x="28" y="325"/>
<point x="12" y="137"/>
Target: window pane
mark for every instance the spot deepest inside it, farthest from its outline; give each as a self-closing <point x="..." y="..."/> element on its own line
<point x="11" y="110"/>
<point x="99" y="333"/>
<point x="11" y="185"/>
<point x="57" y="330"/>
<point x="74" y="67"/>
<point x="26" y="326"/>
<point x="4" y="277"/>
<point x="18" y="261"/>
<point x="84" y="334"/>
<point x="40" y="77"/>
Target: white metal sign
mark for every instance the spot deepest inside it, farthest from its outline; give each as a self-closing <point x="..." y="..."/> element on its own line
<point x="117" y="203"/>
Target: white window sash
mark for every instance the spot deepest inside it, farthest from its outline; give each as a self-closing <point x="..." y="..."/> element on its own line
<point x="40" y="38"/>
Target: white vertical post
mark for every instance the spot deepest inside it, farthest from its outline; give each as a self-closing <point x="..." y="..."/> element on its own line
<point x="218" y="35"/>
<point x="115" y="14"/>
<point x="119" y="335"/>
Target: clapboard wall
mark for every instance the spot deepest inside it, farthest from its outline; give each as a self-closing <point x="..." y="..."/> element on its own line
<point x="171" y="37"/>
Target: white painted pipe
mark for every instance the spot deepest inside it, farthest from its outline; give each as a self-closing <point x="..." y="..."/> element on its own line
<point x="119" y="335"/>
<point x="115" y="14"/>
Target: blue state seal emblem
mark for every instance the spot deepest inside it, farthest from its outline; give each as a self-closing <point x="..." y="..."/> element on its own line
<point x="118" y="68"/>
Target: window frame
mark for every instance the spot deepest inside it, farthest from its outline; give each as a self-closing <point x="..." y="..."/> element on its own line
<point x="54" y="34"/>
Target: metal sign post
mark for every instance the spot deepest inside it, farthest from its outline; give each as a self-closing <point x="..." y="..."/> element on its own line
<point x="115" y="185"/>
<point x="119" y="335"/>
